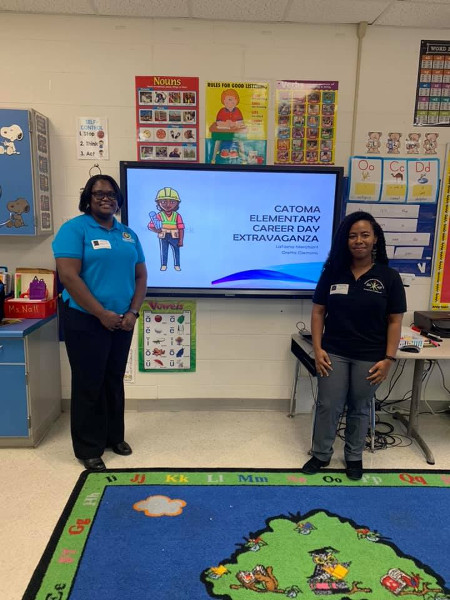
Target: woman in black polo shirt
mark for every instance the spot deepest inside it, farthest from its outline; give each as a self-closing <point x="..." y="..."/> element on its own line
<point x="356" y="323"/>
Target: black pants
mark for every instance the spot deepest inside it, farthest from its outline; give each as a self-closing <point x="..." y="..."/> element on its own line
<point x="98" y="359"/>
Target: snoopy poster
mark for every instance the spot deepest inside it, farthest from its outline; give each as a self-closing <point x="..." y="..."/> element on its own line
<point x="25" y="187"/>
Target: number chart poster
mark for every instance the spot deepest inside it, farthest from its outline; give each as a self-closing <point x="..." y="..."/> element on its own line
<point x="305" y="118"/>
<point x="167" y="335"/>
<point x="236" y="123"/>
<point x="167" y="118"/>
<point x="402" y="195"/>
<point x="433" y="85"/>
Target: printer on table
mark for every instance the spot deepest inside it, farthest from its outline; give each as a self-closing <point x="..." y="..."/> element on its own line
<point x="433" y="321"/>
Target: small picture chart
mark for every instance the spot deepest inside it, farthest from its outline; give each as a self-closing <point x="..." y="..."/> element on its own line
<point x="433" y="84"/>
<point x="167" y="336"/>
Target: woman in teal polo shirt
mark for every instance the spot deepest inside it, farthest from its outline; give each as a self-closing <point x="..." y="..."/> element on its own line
<point x="101" y="265"/>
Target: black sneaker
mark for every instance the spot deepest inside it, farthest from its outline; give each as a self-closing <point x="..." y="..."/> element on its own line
<point x="314" y="465"/>
<point x="354" y="469"/>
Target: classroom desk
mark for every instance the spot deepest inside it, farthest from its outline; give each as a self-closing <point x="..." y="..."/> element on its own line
<point x="223" y="134"/>
<point x="301" y="349"/>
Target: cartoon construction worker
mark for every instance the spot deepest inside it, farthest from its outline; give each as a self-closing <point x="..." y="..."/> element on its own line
<point x="169" y="225"/>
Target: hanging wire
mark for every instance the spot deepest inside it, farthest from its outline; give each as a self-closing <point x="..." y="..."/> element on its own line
<point x="95" y="166"/>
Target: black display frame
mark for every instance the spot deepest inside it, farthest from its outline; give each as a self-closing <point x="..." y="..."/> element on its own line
<point x="195" y="292"/>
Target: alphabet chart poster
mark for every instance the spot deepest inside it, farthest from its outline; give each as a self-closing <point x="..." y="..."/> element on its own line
<point x="167" y="118"/>
<point x="305" y="122"/>
<point x="433" y="84"/>
<point x="402" y="195"/>
<point x="167" y="335"/>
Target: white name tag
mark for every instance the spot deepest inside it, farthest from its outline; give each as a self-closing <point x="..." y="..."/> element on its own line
<point x="101" y="244"/>
<point x="339" y="288"/>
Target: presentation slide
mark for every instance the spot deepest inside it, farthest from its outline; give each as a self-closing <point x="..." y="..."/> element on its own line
<point x="232" y="229"/>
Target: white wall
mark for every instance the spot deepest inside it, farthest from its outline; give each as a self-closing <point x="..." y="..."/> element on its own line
<point x="67" y="67"/>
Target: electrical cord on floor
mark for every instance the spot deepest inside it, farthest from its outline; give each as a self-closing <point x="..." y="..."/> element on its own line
<point x="398" y="372"/>
<point x="383" y="436"/>
<point x="384" y="439"/>
<point x="443" y="379"/>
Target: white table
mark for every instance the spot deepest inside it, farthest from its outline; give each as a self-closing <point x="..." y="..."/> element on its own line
<point x="412" y="421"/>
<point x="301" y="349"/>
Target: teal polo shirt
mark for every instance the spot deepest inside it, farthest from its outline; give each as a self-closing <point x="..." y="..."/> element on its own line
<point x="108" y="259"/>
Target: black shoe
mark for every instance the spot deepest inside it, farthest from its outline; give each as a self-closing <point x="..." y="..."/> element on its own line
<point x="122" y="448"/>
<point x="93" y="464"/>
<point x="354" y="469"/>
<point x="314" y="465"/>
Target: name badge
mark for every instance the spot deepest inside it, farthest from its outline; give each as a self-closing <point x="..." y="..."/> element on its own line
<point x="339" y="288"/>
<point x="101" y="244"/>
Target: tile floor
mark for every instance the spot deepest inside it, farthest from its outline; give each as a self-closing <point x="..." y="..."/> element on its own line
<point x="36" y="482"/>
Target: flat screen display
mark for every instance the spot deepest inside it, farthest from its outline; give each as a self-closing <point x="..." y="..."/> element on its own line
<point x="210" y="230"/>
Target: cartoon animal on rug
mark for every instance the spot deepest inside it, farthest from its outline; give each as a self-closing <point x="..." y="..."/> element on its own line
<point x="329" y="574"/>
<point x="259" y="579"/>
<point x="305" y="528"/>
<point x="365" y="533"/>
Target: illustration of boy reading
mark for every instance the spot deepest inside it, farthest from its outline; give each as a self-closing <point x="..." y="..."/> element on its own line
<point x="169" y="226"/>
<point x="229" y="116"/>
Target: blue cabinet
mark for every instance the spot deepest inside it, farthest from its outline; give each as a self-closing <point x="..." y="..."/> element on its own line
<point x="31" y="383"/>
<point x="14" y="405"/>
<point x="25" y="179"/>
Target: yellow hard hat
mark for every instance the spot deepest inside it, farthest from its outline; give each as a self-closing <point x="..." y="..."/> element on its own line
<point x="168" y="193"/>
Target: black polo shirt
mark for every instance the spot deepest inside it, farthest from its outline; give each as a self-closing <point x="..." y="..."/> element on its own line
<point x="357" y="311"/>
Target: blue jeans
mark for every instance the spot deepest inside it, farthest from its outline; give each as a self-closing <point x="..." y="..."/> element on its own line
<point x="165" y="242"/>
<point x="345" y="385"/>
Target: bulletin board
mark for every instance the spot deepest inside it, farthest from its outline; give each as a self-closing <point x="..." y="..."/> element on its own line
<point x="402" y="195"/>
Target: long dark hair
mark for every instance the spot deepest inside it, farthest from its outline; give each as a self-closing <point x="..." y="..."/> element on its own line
<point x="340" y="257"/>
<point x="85" y="197"/>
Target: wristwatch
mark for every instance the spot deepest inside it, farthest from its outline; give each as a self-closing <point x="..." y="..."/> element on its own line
<point x="134" y="312"/>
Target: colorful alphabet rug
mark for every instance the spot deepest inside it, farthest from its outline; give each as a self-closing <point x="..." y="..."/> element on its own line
<point x="165" y="534"/>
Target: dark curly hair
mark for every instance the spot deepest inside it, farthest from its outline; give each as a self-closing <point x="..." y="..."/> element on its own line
<point x="86" y="193"/>
<point x="340" y="257"/>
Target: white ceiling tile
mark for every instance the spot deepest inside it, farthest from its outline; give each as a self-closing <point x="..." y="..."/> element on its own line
<point x="426" y="1"/>
<point x="336" y="11"/>
<point x="238" y="10"/>
<point x="143" y="8"/>
<point x="413" y="14"/>
<point x="433" y="14"/>
<point x="67" y="7"/>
